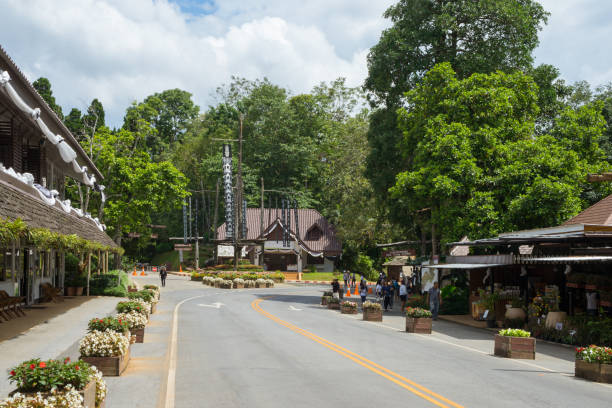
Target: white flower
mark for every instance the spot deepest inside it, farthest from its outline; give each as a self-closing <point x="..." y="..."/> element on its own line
<point x="104" y="344"/>
<point x="134" y="319"/>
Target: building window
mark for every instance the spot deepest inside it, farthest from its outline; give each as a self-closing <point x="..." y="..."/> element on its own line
<point x="313" y="234"/>
<point x="6" y="273"/>
<point x="315" y="260"/>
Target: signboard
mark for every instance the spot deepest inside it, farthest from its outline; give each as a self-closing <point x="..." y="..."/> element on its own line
<point x="228" y="191"/>
<point x="182" y="247"/>
<point x="405" y="252"/>
<point x="154" y="269"/>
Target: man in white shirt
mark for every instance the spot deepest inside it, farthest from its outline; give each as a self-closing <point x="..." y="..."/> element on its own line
<point x="403" y="293"/>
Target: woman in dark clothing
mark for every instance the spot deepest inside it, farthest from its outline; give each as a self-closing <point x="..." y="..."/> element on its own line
<point x="387" y="293"/>
<point x="162" y="274"/>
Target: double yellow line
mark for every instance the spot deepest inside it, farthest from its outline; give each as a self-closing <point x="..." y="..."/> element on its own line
<point x="403" y="382"/>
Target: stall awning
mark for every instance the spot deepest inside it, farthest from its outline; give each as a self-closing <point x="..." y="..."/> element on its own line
<point x="461" y="266"/>
<point x="564" y="259"/>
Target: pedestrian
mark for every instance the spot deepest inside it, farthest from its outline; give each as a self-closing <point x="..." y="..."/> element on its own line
<point x="396" y="288"/>
<point x="363" y="283"/>
<point x="336" y="289"/>
<point x="379" y="289"/>
<point x="391" y="293"/>
<point x="434" y="300"/>
<point x="363" y="292"/>
<point x="403" y="294"/>
<point x="387" y="294"/>
<point x="353" y="280"/>
<point x="346" y="278"/>
<point x="162" y="274"/>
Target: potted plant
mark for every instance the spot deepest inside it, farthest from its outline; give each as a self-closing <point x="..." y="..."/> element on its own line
<point x="136" y="323"/>
<point x="110" y="323"/>
<point x="74" y="285"/>
<point x="594" y="363"/>
<point x="155" y="290"/>
<point x="418" y="320"/>
<point x="333" y="303"/>
<point x="514" y="343"/>
<point x="57" y="379"/>
<point x="146" y="296"/>
<point x="109" y="351"/>
<point x="325" y="298"/>
<point x="516" y="312"/>
<point x="372" y="311"/>
<point x="348" y="307"/>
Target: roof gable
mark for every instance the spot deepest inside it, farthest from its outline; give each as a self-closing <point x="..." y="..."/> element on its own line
<point x="599" y="213"/>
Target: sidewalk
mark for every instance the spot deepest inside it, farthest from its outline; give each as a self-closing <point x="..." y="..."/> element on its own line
<point x="56" y="337"/>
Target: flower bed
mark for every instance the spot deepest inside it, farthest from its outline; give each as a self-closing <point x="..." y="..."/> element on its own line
<point x="109" y="351"/>
<point x="132" y="306"/>
<point x="515" y="343"/>
<point x="418" y="320"/>
<point x="594" y="363"/>
<point x="372" y="311"/>
<point x="136" y="323"/>
<point x="348" y="307"/>
<point x="55" y="381"/>
<point x="116" y="324"/>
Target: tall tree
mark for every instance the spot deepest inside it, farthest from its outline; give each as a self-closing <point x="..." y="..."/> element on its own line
<point x="43" y="87"/>
<point x="95" y="116"/>
<point x="74" y="123"/>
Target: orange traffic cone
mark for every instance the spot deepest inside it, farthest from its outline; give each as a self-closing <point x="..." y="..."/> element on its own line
<point x="348" y="292"/>
<point x="181" y="268"/>
<point x="370" y="290"/>
<point x="134" y="273"/>
<point x="356" y="292"/>
<point x="143" y="272"/>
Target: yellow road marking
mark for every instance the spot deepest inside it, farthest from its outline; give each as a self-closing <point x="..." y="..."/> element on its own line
<point x="403" y="382"/>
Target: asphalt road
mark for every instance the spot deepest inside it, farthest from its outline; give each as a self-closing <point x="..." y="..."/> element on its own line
<point x="278" y="348"/>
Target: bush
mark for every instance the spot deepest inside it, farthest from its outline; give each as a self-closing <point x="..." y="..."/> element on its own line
<point x="114" y="283"/>
<point x="41" y="376"/>
<point x="417" y="301"/>
<point x="417" y="312"/>
<point x="110" y="323"/>
<point x="514" y="333"/>
<point x="145" y="295"/>
<point x="130" y="306"/>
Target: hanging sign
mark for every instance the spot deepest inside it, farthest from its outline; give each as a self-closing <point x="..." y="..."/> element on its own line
<point x="228" y="191"/>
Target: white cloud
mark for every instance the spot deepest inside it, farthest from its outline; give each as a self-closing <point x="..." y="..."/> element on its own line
<point x="120" y="51"/>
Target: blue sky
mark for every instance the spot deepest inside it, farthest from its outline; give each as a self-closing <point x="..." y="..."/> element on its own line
<point x="121" y="51"/>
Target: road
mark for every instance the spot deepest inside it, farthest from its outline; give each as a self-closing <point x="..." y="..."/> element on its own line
<point x="278" y="348"/>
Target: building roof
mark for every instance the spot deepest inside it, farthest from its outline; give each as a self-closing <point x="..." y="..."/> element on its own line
<point x="599" y="213"/>
<point x="328" y="243"/>
<point x="48" y="115"/>
<point x="397" y="261"/>
<point x="15" y="203"/>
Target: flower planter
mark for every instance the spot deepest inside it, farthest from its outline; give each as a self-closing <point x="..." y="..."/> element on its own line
<point x="139" y="334"/>
<point x="153" y="307"/>
<point x="334" y="306"/>
<point x="348" y="310"/>
<point x="109" y="366"/>
<point x="515" y="347"/>
<point x="88" y="393"/>
<point x="589" y="286"/>
<point x="593" y="371"/>
<point x="372" y="315"/>
<point x="323" y="301"/>
<point x="239" y="285"/>
<point x="79" y="291"/>
<point x="418" y="325"/>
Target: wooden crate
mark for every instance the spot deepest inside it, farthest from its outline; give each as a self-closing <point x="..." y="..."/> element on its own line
<point x="515" y="347"/>
<point x="418" y="325"/>
<point x="334" y="306"/>
<point x="348" y="310"/>
<point x="88" y="393"/>
<point x="372" y="315"/>
<point x="110" y="366"/>
<point x="593" y="371"/>
<point x="139" y="334"/>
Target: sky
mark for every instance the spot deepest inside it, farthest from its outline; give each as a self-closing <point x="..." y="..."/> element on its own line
<point x="120" y="51"/>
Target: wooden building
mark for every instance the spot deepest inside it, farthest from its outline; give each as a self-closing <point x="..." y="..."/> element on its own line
<point x="37" y="153"/>
<point x="312" y="244"/>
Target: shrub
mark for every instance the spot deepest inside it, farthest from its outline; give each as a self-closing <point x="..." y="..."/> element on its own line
<point x="152" y="287"/>
<point x="417" y="312"/>
<point x="41" y="376"/>
<point x="118" y="292"/>
<point x="594" y="354"/>
<point x="349" y="305"/>
<point x="134" y="320"/>
<point x="69" y="398"/>
<point x="417" y="301"/>
<point x="104" y="344"/>
<point x="327" y="293"/>
<point x="131" y="306"/>
<point x="514" y="333"/>
<point x="367" y="305"/>
<point x="146" y="295"/>
<point x="108" y="323"/>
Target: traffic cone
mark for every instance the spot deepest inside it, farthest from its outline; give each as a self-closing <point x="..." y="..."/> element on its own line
<point x="348" y="292"/>
<point x="370" y="290"/>
<point x="181" y="268"/>
<point x="356" y="292"/>
<point x="134" y="273"/>
<point x="143" y="272"/>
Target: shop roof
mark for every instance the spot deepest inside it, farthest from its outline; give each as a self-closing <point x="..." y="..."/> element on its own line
<point x="461" y="266"/>
<point x="599" y="213"/>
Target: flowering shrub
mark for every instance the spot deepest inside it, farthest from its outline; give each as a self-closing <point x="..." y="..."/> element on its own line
<point x="113" y="323"/>
<point x="104" y="344"/>
<point x="333" y="300"/>
<point x="100" y="385"/>
<point x="367" y="305"/>
<point x="226" y="284"/>
<point x="514" y="333"/>
<point x="269" y="283"/>
<point x="69" y="398"/>
<point x="146" y="295"/>
<point x="134" y="319"/>
<point x="417" y="312"/>
<point x="594" y="354"/>
<point x="43" y="376"/>
<point x="349" y="304"/>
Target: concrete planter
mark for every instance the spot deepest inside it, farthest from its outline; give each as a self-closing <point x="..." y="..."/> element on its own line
<point x="593" y="371"/>
<point x="371" y="315"/>
<point x="139" y="334"/>
<point x="334" y="306"/>
<point x="515" y="347"/>
<point x="260" y="285"/>
<point x="88" y="393"/>
<point x="110" y="366"/>
<point x="418" y="325"/>
<point x="348" y="310"/>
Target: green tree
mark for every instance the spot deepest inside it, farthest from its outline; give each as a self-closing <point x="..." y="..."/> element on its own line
<point x="43" y="87"/>
<point x="94" y="119"/>
<point x="74" y="123"/>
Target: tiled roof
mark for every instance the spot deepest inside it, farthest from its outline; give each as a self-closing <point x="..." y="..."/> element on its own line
<point x="307" y="218"/>
<point x="599" y="213"/>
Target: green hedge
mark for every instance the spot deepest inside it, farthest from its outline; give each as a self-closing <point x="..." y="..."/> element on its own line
<point x="114" y="283"/>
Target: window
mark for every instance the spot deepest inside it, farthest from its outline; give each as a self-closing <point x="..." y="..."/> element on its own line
<point x="6" y="273"/>
<point x="313" y="234"/>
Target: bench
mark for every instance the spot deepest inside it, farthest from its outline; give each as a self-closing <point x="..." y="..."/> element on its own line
<point x="10" y="306"/>
<point x="49" y="293"/>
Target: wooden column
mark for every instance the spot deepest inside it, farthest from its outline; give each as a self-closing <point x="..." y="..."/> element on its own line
<point x="88" y="270"/>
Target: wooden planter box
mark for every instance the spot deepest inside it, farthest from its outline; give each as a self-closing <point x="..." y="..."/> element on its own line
<point x="334" y="306"/>
<point x="323" y="301"/>
<point x="88" y="393"/>
<point x="515" y="347"/>
<point x="593" y="371"/>
<point x="139" y="334"/>
<point x="153" y="307"/>
<point x="372" y="315"/>
<point x="109" y="366"/>
<point x="418" y="325"/>
<point x="348" y="310"/>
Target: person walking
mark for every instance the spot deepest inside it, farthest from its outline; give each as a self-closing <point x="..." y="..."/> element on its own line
<point x="346" y="278"/>
<point x="336" y="289"/>
<point x="363" y="292"/>
<point x="391" y="293"/>
<point x="387" y="295"/>
<point x="353" y="280"/>
<point x="434" y="300"/>
<point x="163" y="274"/>
<point x="403" y="294"/>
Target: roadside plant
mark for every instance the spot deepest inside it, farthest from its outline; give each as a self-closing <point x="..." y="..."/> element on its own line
<point x="104" y="344"/>
<point x="514" y="333"/>
<point x="134" y="319"/>
<point x="417" y="312"/>
<point x="269" y="283"/>
<point x="594" y="354"/>
<point x="327" y="293"/>
<point x="334" y="300"/>
<point x="226" y="284"/>
<point x="100" y="386"/>
<point x="367" y="305"/>
<point x="132" y="305"/>
<point x="417" y="301"/>
<point x="146" y="295"/>
<point x="348" y="304"/>
<point x="111" y="323"/>
<point x="43" y="376"/>
<point x="69" y="398"/>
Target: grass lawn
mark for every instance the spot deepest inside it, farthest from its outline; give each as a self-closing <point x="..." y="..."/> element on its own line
<point x="321" y="276"/>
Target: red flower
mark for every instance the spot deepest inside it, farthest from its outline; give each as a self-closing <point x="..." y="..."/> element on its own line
<point x="76" y="367"/>
<point x="32" y="366"/>
<point x="42" y="364"/>
<point x="66" y="360"/>
<point x="12" y="372"/>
